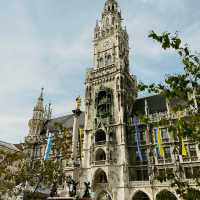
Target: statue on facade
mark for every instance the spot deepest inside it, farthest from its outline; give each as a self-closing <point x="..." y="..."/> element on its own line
<point x="72" y="185"/>
<point x="87" y="190"/>
<point x="78" y="103"/>
<point x="53" y="192"/>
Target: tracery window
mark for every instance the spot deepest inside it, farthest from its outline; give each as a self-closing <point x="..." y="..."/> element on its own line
<point x="107" y="21"/>
<point x="101" y="62"/>
<point x="104" y="103"/>
<point x="108" y="60"/>
<point x="100" y="137"/>
<point x="192" y="150"/>
<point x="100" y="155"/>
<point x="164" y="134"/>
<point x="113" y="21"/>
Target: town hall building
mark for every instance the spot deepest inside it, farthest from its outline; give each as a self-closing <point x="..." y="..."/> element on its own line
<point x="119" y="163"/>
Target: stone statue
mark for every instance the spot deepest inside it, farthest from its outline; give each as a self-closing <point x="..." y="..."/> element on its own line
<point x="72" y="185"/>
<point x="53" y="192"/>
<point x="78" y="103"/>
<point x="87" y="190"/>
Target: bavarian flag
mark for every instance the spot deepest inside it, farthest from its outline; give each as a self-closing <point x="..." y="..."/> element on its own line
<point x="48" y="147"/>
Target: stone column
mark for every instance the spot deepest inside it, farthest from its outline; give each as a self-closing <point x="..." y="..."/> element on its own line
<point x="75" y="138"/>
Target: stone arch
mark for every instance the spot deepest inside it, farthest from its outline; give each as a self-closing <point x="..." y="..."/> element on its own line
<point x="101" y="62"/>
<point x="107" y="21"/>
<point x="117" y="83"/>
<point x="165" y="195"/>
<point x="113" y="20"/>
<point x="140" y="195"/>
<point x="104" y="195"/>
<point x="100" y="136"/>
<point x="99" y="177"/>
<point x="100" y="155"/>
<point x="109" y="59"/>
<point x="113" y="7"/>
<point x="193" y="193"/>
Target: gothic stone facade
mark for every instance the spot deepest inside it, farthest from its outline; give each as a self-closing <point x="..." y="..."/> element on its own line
<point x="110" y="162"/>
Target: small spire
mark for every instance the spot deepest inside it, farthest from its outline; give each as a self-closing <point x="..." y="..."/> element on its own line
<point x="97" y="25"/>
<point x="39" y="104"/>
<point x="111" y="1"/>
<point x="42" y="93"/>
<point x="49" y="111"/>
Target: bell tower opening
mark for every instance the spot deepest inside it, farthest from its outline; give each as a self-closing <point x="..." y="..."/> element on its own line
<point x="100" y="137"/>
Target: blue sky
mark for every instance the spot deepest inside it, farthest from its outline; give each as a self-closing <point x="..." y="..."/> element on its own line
<point x="48" y="44"/>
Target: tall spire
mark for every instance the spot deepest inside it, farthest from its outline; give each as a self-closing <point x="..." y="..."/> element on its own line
<point x="39" y="105"/>
<point x="36" y="123"/>
<point x="48" y="112"/>
<point x="42" y="93"/>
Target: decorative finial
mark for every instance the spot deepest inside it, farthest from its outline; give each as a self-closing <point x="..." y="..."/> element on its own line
<point x="78" y="103"/>
<point x="49" y="111"/>
<point x="42" y="93"/>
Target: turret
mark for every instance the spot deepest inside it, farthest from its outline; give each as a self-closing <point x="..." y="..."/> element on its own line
<point x="37" y="121"/>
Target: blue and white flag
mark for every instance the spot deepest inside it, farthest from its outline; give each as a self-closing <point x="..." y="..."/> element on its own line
<point x="48" y="147"/>
<point x="137" y="137"/>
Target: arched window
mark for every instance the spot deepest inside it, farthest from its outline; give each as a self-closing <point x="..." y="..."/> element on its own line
<point x="113" y="20"/>
<point x="140" y="196"/>
<point x="111" y="137"/>
<point x="107" y="21"/>
<point x="165" y="194"/>
<point x="100" y="177"/>
<point x="117" y="83"/>
<point x="104" y="195"/>
<point x="100" y="137"/>
<point x="109" y="60"/>
<point x="100" y="155"/>
<point x="113" y="7"/>
<point x="101" y="62"/>
<point x="103" y="103"/>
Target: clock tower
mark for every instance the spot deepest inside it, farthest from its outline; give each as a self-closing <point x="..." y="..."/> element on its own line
<point x="110" y="94"/>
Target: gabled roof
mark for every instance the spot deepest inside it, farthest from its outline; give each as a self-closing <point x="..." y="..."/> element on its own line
<point x="67" y="121"/>
<point x="8" y="146"/>
<point x="155" y="104"/>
